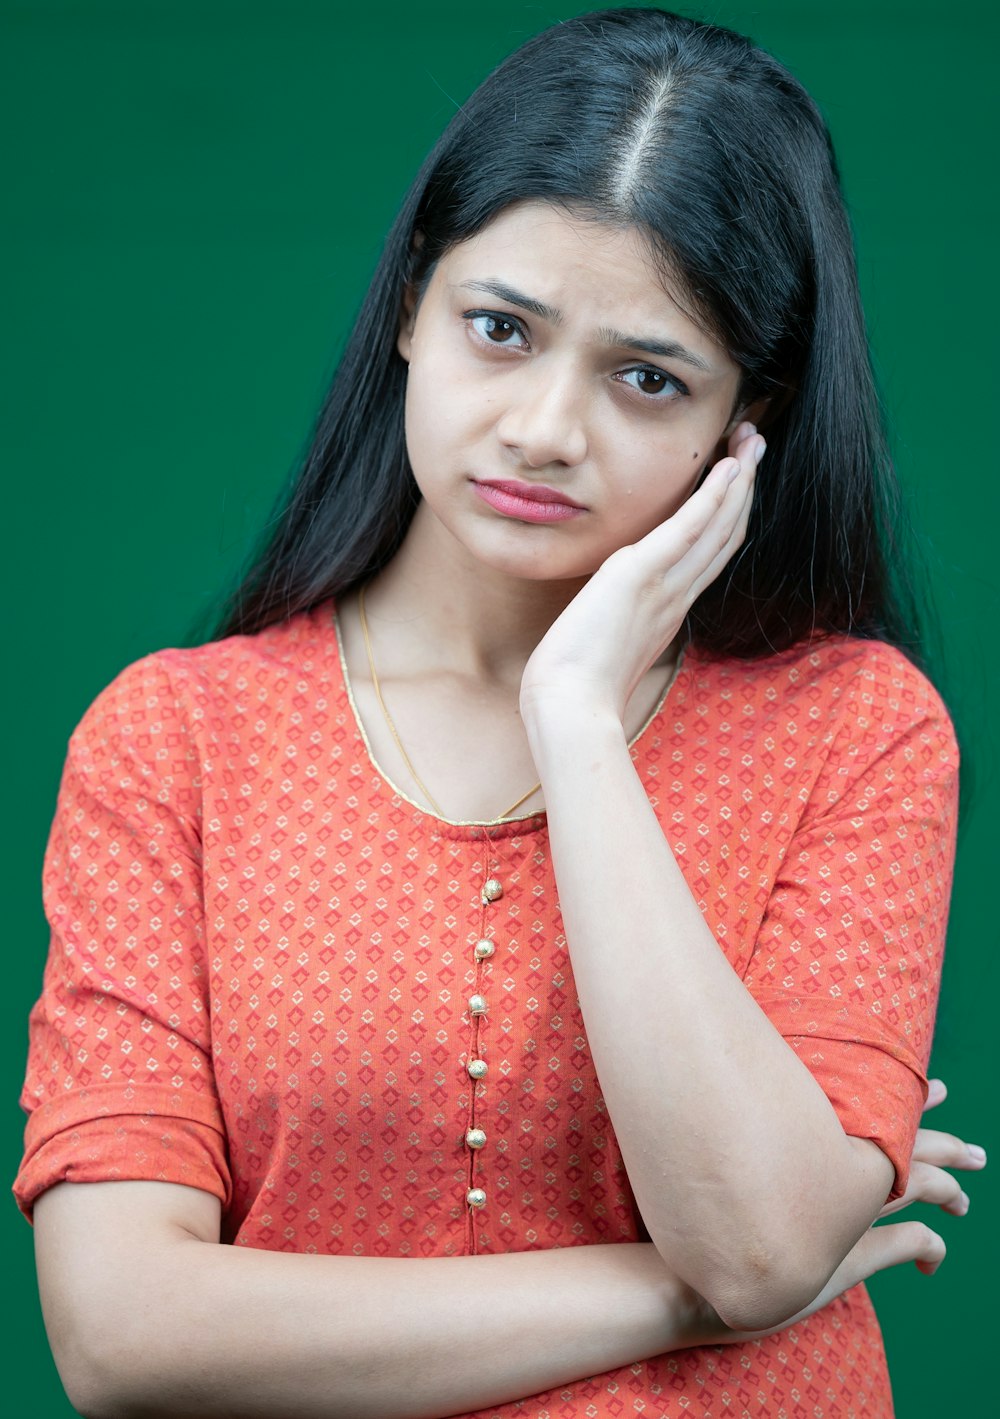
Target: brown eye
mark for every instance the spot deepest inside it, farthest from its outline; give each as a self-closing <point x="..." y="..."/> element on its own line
<point x="497" y="329"/>
<point x="648" y="380"/>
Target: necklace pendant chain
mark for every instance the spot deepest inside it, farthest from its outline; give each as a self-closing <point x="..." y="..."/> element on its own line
<point x="395" y="735"/>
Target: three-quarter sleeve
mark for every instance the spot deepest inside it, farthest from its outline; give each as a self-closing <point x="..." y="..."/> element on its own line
<point x="120" y="1083"/>
<point x="847" y="962"/>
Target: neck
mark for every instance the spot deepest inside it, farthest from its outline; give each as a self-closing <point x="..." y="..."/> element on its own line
<point x="456" y="615"/>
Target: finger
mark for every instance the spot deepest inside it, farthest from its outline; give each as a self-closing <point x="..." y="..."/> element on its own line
<point x="944" y="1150"/>
<point x="886" y="1246"/>
<point x="909" y="1241"/>
<point x="714" y="532"/>
<point x="719" y="499"/>
<point x="743" y="431"/>
<point x="937" y="1092"/>
<point x="693" y="571"/>
<point x="720" y="561"/>
<point x="934" y="1186"/>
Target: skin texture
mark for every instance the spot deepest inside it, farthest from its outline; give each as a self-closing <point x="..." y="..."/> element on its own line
<point x="548" y="398"/>
<point x="548" y="643"/>
<point x="226" y="1331"/>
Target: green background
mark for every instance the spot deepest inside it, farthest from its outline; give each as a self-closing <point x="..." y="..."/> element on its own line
<point x="197" y="194"/>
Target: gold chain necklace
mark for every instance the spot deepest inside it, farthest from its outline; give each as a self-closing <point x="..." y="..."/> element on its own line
<point x="399" y="743"/>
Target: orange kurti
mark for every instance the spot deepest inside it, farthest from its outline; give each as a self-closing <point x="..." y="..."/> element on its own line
<point x="263" y="978"/>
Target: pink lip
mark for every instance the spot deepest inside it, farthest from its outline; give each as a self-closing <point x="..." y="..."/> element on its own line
<point x="528" y="502"/>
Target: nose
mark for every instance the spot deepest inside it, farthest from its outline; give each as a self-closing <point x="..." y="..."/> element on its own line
<point x="544" y="420"/>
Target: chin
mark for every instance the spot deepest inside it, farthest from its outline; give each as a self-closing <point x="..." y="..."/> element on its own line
<point x="539" y="564"/>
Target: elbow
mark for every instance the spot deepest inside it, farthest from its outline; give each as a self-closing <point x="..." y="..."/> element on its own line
<point x="96" y="1394"/>
<point x="749" y="1309"/>
<point x="762" y="1292"/>
<point x="89" y="1389"/>
<point x="103" y="1380"/>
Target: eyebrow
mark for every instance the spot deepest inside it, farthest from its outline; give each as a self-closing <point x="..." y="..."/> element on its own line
<point x="512" y="297"/>
<point x="666" y="349"/>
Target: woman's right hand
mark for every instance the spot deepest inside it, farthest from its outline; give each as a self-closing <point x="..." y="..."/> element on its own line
<point x="933" y="1152"/>
<point x="885" y="1246"/>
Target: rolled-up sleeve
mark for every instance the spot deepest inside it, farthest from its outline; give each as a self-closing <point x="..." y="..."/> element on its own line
<point x="120" y="1082"/>
<point x="847" y="963"/>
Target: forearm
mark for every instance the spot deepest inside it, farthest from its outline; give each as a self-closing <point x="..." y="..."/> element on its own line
<point x="740" y="1167"/>
<point x="203" y="1329"/>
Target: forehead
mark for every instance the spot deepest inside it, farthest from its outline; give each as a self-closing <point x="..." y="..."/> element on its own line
<point x="589" y="270"/>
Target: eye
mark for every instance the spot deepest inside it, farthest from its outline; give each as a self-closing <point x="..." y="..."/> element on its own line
<point x="656" y="384"/>
<point x="495" y="329"/>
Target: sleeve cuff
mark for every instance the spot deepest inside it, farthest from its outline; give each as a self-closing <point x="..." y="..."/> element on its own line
<point x="875" y="1081"/>
<point x="110" y="1134"/>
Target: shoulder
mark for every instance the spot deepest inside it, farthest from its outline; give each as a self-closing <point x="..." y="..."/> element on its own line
<point x="838" y="717"/>
<point x="830" y="679"/>
<point x="184" y="693"/>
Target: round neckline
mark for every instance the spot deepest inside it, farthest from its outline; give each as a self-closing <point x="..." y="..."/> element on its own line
<point x="528" y="822"/>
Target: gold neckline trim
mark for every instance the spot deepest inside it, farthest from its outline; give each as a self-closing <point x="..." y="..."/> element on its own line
<point x="470" y="822"/>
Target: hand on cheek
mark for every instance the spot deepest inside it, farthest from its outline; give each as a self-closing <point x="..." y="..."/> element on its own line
<point x="635" y="605"/>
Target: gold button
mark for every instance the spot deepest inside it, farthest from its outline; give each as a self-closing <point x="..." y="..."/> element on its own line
<point x="492" y="890"/>
<point x="484" y="949"/>
<point x="477" y="1005"/>
<point x="475" y="1138"/>
<point x="477" y="1068"/>
<point x="476" y="1197"/>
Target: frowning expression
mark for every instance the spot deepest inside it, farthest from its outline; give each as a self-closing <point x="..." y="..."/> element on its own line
<point x="560" y="403"/>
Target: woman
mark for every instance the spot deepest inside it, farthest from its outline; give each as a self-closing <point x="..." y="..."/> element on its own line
<point x="562" y="1011"/>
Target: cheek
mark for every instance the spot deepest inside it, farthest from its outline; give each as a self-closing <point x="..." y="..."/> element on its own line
<point x="659" y="480"/>
<point x="439" y="423"/>
<point x="669" y="476"/>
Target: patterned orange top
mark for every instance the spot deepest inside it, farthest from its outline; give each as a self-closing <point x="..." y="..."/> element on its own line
<point x="275" y="978"/>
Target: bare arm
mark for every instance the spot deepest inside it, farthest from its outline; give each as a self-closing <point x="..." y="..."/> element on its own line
<point x="148" y="1316"/>
<point x="713" y="1082"/>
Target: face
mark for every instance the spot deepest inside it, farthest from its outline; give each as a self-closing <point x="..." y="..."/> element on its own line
<point x="560" y="404"/>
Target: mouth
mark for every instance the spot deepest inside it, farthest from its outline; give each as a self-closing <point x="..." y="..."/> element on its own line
<point x="528" y="502"/>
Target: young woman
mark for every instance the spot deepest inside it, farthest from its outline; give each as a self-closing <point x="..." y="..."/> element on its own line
<point x="518" y="936"/>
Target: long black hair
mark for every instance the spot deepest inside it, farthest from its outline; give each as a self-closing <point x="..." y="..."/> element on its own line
<point x="718" y="155"/>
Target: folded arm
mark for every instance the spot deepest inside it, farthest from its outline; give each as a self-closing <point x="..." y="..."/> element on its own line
<point x="149" y="1316"/>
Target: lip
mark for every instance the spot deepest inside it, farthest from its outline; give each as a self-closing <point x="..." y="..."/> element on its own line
<point x="528" y="502"/>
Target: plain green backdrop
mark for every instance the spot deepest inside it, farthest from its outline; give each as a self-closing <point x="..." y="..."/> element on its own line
<point x="196" y="196"/>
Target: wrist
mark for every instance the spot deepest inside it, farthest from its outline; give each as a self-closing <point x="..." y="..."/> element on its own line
<point x="557" y="718"/>
<point x="563" y="734"/>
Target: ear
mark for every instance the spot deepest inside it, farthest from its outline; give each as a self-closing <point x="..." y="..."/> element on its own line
<point x="755" y="413"/>
<point x="407" y="317"/>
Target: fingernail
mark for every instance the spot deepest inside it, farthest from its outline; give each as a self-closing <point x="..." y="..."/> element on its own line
<point x="759" y="451"/>
<point x="976" y="1152"/>
<point x="964" y="1200"/>
<point x="734" y="472"/>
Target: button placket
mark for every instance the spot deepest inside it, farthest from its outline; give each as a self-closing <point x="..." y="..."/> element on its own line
<point x="477" y="1067"/>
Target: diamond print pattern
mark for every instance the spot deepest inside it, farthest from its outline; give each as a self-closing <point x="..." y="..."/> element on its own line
<point x="263" y="960"/>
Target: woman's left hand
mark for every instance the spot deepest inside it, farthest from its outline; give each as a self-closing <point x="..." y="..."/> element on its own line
<point x="633" y="607"/>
